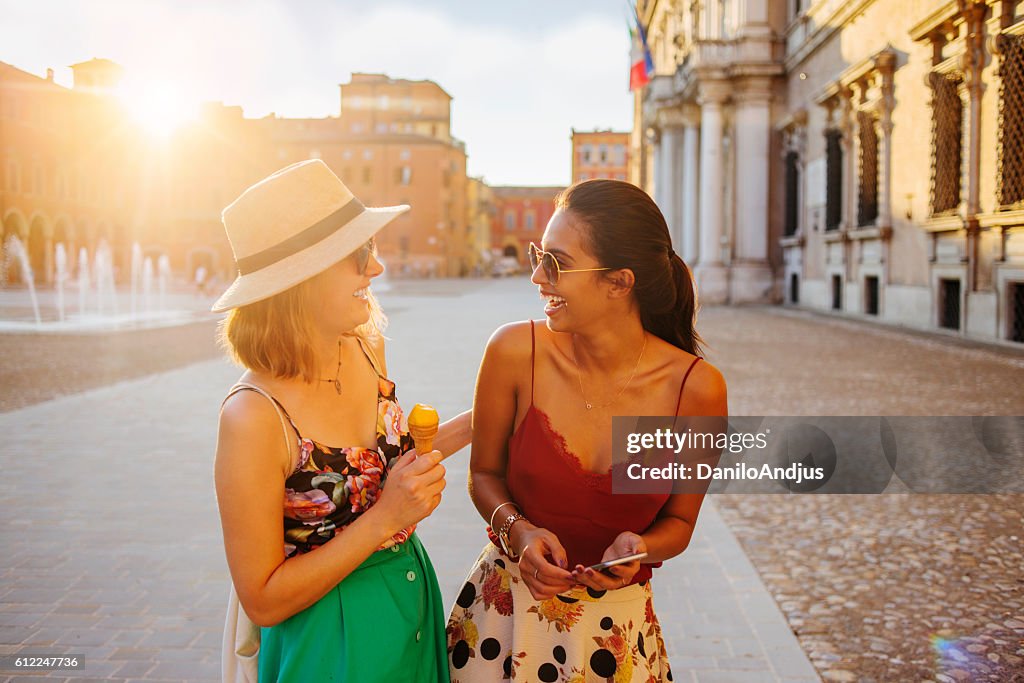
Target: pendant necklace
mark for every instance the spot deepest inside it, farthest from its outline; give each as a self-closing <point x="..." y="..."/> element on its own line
<point x="337" y="373"/>
<point x="579" y="376"/>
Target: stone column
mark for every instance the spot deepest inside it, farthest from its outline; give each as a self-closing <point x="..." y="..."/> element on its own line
<point x="751" y="272"/>
<point x="886" y="65"/>
<point x="670" y="121"/>
<point x="711" y="274"/>
<point x="690" y="198"/>
<point x="658" y="183"/>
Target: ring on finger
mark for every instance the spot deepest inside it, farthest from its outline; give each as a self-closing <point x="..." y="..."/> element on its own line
<point x="536" y="573"/>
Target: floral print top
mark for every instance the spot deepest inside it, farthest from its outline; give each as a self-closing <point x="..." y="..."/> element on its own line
<point x="330" y="487"/>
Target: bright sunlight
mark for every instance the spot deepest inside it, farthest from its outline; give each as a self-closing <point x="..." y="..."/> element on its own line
<point x="158" y="108"/>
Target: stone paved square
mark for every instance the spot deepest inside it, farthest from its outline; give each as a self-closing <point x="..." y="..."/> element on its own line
<point x="115" y="543"/>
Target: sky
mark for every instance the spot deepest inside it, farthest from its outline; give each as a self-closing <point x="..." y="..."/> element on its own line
<point x="521" y="75"/>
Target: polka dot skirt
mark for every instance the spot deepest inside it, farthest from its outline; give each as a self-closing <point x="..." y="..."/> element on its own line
<point x="497" y="631"/>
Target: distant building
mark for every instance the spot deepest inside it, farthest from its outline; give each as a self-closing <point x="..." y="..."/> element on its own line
<point x="75" y="169"/>
<point x="520" y="216"/>
<point x="863" y="158"/>
<point x="600" y="154"/>
<point x="480" y="203"/>
<point x="392" y="144"/>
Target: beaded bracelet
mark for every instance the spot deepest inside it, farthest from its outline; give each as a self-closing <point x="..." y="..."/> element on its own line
<point x="503" y="533"/>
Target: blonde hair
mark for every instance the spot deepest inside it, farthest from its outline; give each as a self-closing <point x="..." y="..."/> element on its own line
<point x="276" y="334"/>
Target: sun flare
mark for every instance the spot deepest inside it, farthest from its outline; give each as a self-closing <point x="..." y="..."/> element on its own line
<point x="158" y="108"/>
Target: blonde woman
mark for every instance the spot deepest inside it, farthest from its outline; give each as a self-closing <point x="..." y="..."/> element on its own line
<point x="318" y="493"/>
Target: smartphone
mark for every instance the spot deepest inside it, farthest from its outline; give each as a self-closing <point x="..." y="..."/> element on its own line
<point x="601" y="566"/>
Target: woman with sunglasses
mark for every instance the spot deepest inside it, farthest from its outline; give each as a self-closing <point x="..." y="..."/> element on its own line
<point x="618" y="339"/>
<point x="318" y="493"/>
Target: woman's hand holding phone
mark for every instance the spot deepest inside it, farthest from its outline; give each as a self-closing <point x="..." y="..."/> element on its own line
<point x="616" y="576"/>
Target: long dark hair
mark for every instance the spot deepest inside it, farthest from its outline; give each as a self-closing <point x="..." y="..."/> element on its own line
<point x="625" y="229"/>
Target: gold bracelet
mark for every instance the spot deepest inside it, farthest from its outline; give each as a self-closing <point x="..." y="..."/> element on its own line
<point x="506" y="529"/>
<point x="507" y="502"/>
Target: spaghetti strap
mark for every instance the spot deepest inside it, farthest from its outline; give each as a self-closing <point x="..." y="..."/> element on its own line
<point x="370" y="356"/>
<point x="679" y="401"/>
<point x="282" y="414"/>
<point x="533" y="358"/>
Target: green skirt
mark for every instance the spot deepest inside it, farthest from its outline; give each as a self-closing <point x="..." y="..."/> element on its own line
<point x="383" y="622"/>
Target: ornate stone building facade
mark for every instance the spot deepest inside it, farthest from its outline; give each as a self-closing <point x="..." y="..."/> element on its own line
<point x="864" y="157"/>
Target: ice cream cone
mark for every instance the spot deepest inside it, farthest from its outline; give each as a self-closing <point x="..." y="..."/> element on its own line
<point x="423" y="427"/>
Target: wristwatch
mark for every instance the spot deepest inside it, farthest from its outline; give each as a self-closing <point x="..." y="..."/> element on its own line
<point x="503" y="534"/>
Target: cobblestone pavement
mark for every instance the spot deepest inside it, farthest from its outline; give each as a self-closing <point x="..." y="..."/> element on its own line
<point x="883" y="587"/>
<point x="112" y="546"/>
<point x="40" y="366"/>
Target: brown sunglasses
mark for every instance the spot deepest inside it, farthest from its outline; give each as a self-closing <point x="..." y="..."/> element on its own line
<point x="362" y="255"/>
<point x="547" y="261"/>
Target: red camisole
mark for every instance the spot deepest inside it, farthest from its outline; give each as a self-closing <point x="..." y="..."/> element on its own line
<point x="555" y="492"/>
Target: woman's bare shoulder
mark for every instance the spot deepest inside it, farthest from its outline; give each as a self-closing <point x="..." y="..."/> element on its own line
<point x="247" y="408"/>
<point x="705" y="387"/>
<point x="705" y="392"/>
<point x="512" y="340"/>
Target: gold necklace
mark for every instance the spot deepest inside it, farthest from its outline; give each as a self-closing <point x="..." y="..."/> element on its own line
<point x="337" y="373"/>
<point x="579" y="376"/>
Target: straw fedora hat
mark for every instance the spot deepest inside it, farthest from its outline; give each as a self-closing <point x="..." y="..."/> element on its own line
<point x="291" y="226"/>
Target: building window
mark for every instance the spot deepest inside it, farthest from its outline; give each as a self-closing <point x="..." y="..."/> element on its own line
<point x="357" y="128"/>
<point x="792" y="193"/>
<point x="346" y="155"/>
<point x="619" y="155"/>
<point x="382" y="128"/>
<point x="38" y="186"/>
<point x="585" y="154"/>
<point x="837" y="292"/>
<point x="833" y="179"/>
<point x="367" y="154"/>
<point x="13" y="177"/>
<point x="1010" y="164"/>
<point x="949" y="304"/>
<point x="403" y="175"/>
<point x="1016" y="306"/>
<point x="404" y="155"/>
<point x="871" y="295"/>
<point x="510" y="220"/>
<point x="529" y="220"/>
<point x="602" y="154"/>
<point x="367" y="175"/>
<point x="867" y="192"/>
<point x="314" y="153"/>
<point x="947" y="136"/>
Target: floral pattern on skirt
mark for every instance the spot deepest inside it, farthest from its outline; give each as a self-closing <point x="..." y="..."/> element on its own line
<point x="497" y="631"/>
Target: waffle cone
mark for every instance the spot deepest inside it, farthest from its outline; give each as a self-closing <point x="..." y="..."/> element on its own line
<point x="423" y="421"/>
